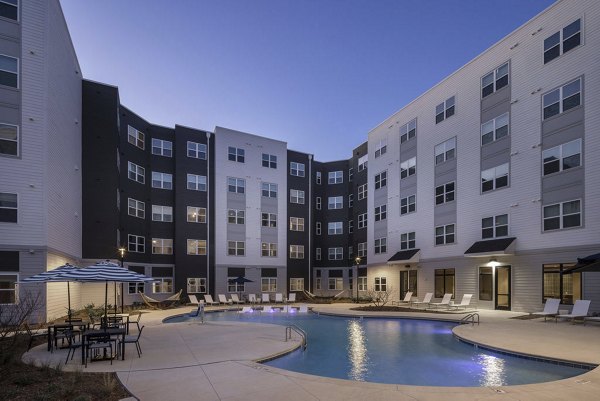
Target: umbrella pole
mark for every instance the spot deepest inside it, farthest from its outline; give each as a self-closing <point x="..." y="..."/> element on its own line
<point x="122" y="297"/>
<point x="105" y="305"/>
<point x="69" y="299"/>
<point x="115" y="298"/>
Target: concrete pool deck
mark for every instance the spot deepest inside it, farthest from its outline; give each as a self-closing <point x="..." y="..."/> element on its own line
<point x="215" y="361"/>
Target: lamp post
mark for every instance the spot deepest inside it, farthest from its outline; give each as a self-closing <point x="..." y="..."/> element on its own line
<point x="357" y="260"/>
<point x="122" y="256"/>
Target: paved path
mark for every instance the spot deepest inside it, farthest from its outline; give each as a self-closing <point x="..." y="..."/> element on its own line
<point x="214" y="361"/>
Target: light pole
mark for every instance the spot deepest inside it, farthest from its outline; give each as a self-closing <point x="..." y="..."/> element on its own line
<point x="357" y="260"/>
<point x="122" y="255"/>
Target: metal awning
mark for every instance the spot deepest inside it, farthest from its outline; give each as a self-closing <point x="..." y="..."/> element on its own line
<point x="588" y="264"/>
<point x="492" y="247"/>
<point x="408" y="256"/>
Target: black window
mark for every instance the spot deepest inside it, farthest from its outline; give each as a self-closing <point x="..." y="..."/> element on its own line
<point x="486" y="282"/>
<point x="562" y="41"/>
<point x="444" y="282"/>
<point x="9" y="9"/>
<point x="566" y="287"/>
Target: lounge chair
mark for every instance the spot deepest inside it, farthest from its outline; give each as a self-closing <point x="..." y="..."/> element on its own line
<point x="279" y="298"/>
<point x="235" y="299"/>
<point x="252" y="298"/>
<point x="406" y="299"/>
<point x="209" y="301"/>
<point x="464" y="303"/>
<point x="291" y="297"/>
<point x="303" y="309"/>
<point x="426" y="300"/>
<point x="224" y="300"/>
<point x="580" y="310"/>
<point x="550" y="309"/>
<point x="445" y="301"/>
<point x="266" y="298"/>
<point x="246" y="309"/>
<point x="593" y="319"/>
<point x="193" y="300"/>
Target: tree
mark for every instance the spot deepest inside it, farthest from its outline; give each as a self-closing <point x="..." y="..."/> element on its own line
<point x="14" y="316"/>
<point x="380" y="298"/>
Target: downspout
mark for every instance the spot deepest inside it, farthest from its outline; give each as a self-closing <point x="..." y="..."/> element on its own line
<point x="310" y="223"/>
<point x="208" y="213"/>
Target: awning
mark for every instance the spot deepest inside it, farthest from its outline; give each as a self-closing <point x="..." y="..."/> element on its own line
<point x="492" y="247"/>
<point x="588" y="264"/>
<point x="408" y="256"/>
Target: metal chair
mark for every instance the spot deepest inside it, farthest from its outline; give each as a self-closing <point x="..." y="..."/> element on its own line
<point x="99" y="342"/>
<point x="134" y="340"/>
<point x="137" y="321"/>
<point x="72" y="344"/>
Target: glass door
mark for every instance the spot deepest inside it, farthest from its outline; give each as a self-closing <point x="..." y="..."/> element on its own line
<point x="503" y="287"/>
<point x="403" y="283"/>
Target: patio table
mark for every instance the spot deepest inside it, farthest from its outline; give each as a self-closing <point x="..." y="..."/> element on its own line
<point x="85" y="337"/>
<point x="53" y="328"/>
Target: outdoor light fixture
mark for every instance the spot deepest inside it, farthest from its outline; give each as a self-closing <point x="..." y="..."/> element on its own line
<point x="357" y="260"/>
<point x="493" y="262"/>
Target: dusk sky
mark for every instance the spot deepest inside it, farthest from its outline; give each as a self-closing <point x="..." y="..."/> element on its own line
<point x="318" y="74"/>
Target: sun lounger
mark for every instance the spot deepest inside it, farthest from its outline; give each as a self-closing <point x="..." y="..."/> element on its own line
<point x="252" y="298"/>
<point x="291" y="297"/>
<point x="235" y="299"/>
<point x="593" y="319"/>
<point x="279" y="298"/>
<point x="193" y="300"/>
<point x="580" y="311"/>
<point x="406" y="299"/>
<point x="303" y="309"/>
<point x="464" y="303"/>
<point x="209" y="301"/>
<point x="550" y="309"/>
<point x="445" y="302"/>
<point x="426" y="300"/>
<point x="265" y="298"/>
<point x="224" y="300"/>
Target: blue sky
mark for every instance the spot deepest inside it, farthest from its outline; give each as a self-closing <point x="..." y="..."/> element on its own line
<point x="318" y="74"/>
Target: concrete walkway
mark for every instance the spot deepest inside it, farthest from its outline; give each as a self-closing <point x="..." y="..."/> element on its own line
<point x="215" y="361"/>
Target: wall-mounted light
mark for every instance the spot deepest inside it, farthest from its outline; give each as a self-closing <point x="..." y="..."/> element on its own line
<point x="493" y="262"/>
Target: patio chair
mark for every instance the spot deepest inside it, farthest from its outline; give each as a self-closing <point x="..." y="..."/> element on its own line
<point x="136" y="321"/>
<point x="279" y="298"/>
<point x="444" y="302"/>
<point x="303" y="309"/>
<point x="235" y="299"/>
<point x="550" y="309"/>
<point x="34" y="333"/>
<point x="224" y="300"/>
<point x="133" y="340"/>
<point x="406" y="299"/>
<point x="426" y="300"/>
<point x="291" y="297"/>
<point x="580" y="311"/>
<point x="252" y="298"/>
<point x="209" y="300"/>
<point x="72" y="345"/>
<point x="95" y="344"/>
<point x="265" y="298"/>
<point x="464" y="303"/>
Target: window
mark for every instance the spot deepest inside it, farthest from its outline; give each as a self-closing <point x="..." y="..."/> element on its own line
<point x="350" y="226"/>
<point x="136" y="208"/>
<point x="297" y="196"/>
<point x="269" y="161"/>
<point x="195" y="285"/>
<point x="268" y="249"/>
<point x="335" y="202"/>
<point x="297" y="169"/>
<point x="486" y="283"/>
<point x="350" y="252"/>
<point x="566" y="287"/>
<point x="445" y="151"/>
<point x="380" y="212"/>
<point x="296" y="284"/>
<point x="9" y="71"/>
<point x="269" y="190"/>
<point x="381" y="180"/>
<point x="162" y="246"/>
<point x="335" y="283"/>
<point x="362" y="163"/>
<point x="296" y="251"/>
<point x="318" y="202"/>
<point x="235" y="216"/>
<point x="362" y="192"/>
<point x="196" y="214"/>
<point x="444" y="282"/>
<point x="318" y="178"/>
<point x="380" y="284"/>
<point x="9" y="138"/>
<point x="196" y="247"/>
<point x="136" y="243"/>
<point x="362" y="221"/>
<point x="161" y="147"/>
<point x="134" y="137"/>
<point x="362" y="283"/>
<point x="162" y="213"/>
<point x="494" y="81"/>
<point x="318" y="228"/>
<point x="268" y="220"/>
<point x="408" y="168"/>
<point x="163" y="280"/>
<point x="408" y="240"/>
<point x="135" y="288"/>
<point x="336" y="253"/>
<point x="268" y="284"/>
<point x="444" y="193"/>
<point x="235" y="154"/>
<point x="118" y="199"/>
<point x="562" y="215"/>
<point x="8" y="288"/>
<point x="162" y="180"/>
<point x="296" y="223"/>
<point x="350" y="174"/>
<point x="196" y="182"/>
<point x="494" y="227"/>
<point x="380" y="245"/>
<point x="408" y="204"/>
<point x="335" y="228"/>
<point x="362" y="249"/>
<point x="381" y="148"/>
<point x="562" y="157"/>
<point x="236" y="248"/>
<point x="495" y="129"/>
<point x="196" y="150"/>
<point x="317" y="253"/>
<point x="562" y="99"/>
<point x="236" y="185"/>
<point x="351" y="200"/>
<point x="494" y="178"/>
<point x="408" y="131"/>
<point x="444" y="234"/>
<point x="444" y="110"/>
<point x="135" y="172"/>
<point x="336" y="177"/>
<point x="562" y="41"/>
<point x="9" y="9"/>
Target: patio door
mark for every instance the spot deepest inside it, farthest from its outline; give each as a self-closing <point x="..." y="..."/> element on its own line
<point x="408" y="282"/>
<point x="503" y="287"/>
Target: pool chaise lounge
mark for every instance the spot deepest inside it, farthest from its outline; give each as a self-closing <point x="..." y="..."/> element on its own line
<point x="550" y="309"/>
<point x="464" y="303"/>
<point x="580" y="311"/>
<point x="291" y="297"/>
<point x="235" y="299"/>
<point x="406" y="299"/>
<point x="209" y="300"/>
<point x="265" y="299"/>
<point x="279" y="298"/>
<point x="445" y="302"/>
<point x="426" y="300"/>
<point x="224" y="300"/>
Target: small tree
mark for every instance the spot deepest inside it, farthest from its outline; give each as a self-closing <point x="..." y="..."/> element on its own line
<point x="14" y="316"/>
<point x="380" y="298"/>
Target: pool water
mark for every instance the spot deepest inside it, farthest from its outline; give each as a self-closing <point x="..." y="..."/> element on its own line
<point x="398" y="351"/>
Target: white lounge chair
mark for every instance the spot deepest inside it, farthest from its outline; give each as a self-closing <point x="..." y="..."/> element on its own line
<point x="193" y="300"/>
<point x="464" y="303"/>
<point x="235" y="299"/>
<point x="291" y="297"/>
<point x="252" y="298"/>
<point x="406" y="299"/>
<point x="224" y="300"/>
<point x="426" y="300"/>
<point x="444" y="302"/>
<point x="265" y="298"/>
<point x="209" y="301"/>
<point x="550" y="308"/>
<point x="279" y="298"/>
<point x="580" y="310"/>
<point x="303" y="309"/>
<point x="246" y="309"/>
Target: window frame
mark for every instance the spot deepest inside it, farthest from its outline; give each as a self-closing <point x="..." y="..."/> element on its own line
<point x="561" y="216"/>
<point x="448" y="237"/>
<point x="165" y="180"/>
<point x="494" y="227"/>
<point x="444" y="273"/>
<point x="15" y="286"/>
<point x="196" y="213"/>
<point x="446" y="193"/>
<point x="268" y="220"/>
<point x="162" y="212"/>
<point x="236" y="155"/>
<point x="405" y="131"/>
<point x="297" y="224"/>
<point x="381" y="148"/>
<point x="381" y="179"/>
<point x="446" y="111"/>
<point x="381" y="212"/>
<point x="236" y="248"/>
<point x="161" y="147"/>
<point x="561" y="98"/>
<point x="196" y="150"/>
<point x="196" y="247"/>
<point x="380" y="284"/>
<point x="268" y="249"/>
<point x="296" y="284"/>
<point x="494" y="124"/>
<point x="448" y="151"/>
<point x="236" y="216"/>
<point x="138" y="246"/>
<point x="297" y="169"/>
<point x="269" y="190"/>
<point x="296" y="251"/>
<point x="237" y="184"/>
<point x="297" y="196"/>
<point x="335" y="228"/>
<point x="495" y="178"/>
<point x="138" y="171"/>
<point x="16" y="6"/>
<point x="561" y="282"/>
<point x="406" y="208"/>
<point x="362" y="249"/>
<point x="362" y="221"/>
<point x="408" y="168"/>
<point x="133" y="136"/>
<point x="363" y="191"/>
<point x="380" y="245"/>
<point x="270" y="160"/>
<point x="139" y="208"/>
<point x="16" y="141"/>
<point x="562" y="40"/>
<point x="335" y="202"/>
<point x="162" y="246"/>
<point x="561" y="157"/>
<point x="495" y="79"/>
<point x="196" y="182"/>
<point x="335" y="177"/>
<point x="196" y="288"/>
<point x="335" y="253"/>
<point x="408" y="240"/>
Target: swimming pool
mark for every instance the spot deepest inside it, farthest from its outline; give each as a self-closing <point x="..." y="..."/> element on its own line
<point x="398" y="351"/>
